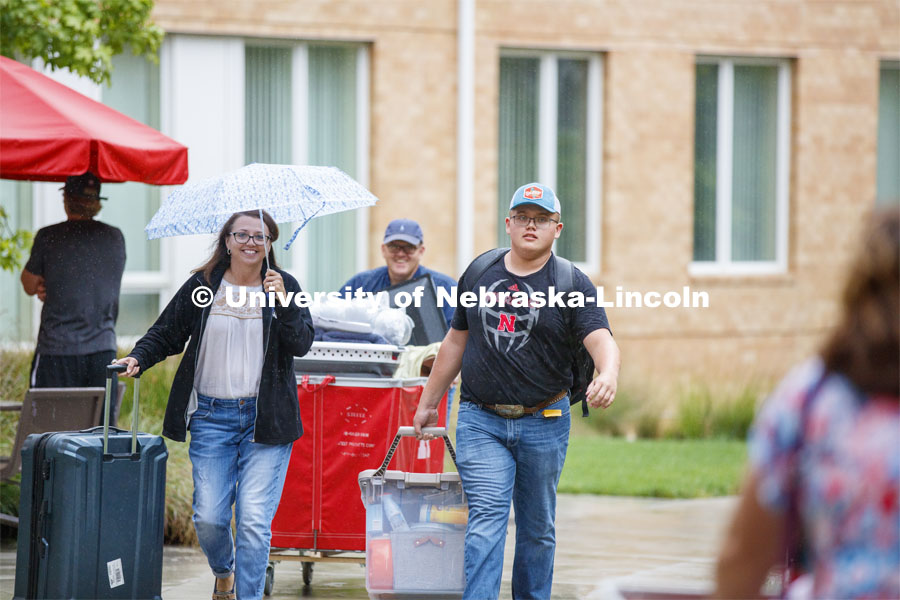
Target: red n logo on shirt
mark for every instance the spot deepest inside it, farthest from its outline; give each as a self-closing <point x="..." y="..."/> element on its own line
<point x="507" y="322"/>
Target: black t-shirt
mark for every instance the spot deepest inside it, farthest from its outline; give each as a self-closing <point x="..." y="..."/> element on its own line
<point x="81" y="262"/>
<point x="521" y="355"/>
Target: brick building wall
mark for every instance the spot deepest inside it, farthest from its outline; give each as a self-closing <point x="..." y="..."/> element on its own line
<point x="755" y="325"/>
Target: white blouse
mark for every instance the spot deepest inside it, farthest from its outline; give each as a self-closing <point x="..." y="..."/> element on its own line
<point x="231" y="351"/>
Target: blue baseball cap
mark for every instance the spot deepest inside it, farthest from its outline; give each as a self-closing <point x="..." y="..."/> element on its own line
<point x="405" y="230"/>
<point x="537" y="194"/>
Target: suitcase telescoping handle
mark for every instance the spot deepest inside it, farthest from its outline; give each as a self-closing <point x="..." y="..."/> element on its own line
<point x="112" y="386"/>
<point x="438" y="432"/>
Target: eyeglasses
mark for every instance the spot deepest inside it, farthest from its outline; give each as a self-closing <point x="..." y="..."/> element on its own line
<point x="404" y="248"/>
<point x="242" y="237"/>
<point x="539" y="222"/>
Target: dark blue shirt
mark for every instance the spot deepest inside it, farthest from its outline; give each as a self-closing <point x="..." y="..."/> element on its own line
<point x="376" y="280"/>
<point x="81" y="262"/>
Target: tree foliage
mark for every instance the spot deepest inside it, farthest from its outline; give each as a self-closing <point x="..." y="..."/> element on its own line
<point x="13" y="244"/>
<point x="81" y="35"/>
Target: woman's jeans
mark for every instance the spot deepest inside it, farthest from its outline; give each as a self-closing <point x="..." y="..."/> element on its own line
<point x="229" y="469"/>
<point x="510" y="459"/>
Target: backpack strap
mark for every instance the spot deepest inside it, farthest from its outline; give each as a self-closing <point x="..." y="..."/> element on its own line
<point x="481" y="264"/>
<point x="565" y="282"/>
<point x="565" y="274"/>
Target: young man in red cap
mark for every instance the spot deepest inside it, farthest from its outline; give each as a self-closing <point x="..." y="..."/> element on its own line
<point x="75" y="269"/>
<point x="513" y="425"/>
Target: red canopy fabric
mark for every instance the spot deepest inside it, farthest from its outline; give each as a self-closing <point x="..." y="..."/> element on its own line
<point x="49" y="131"/>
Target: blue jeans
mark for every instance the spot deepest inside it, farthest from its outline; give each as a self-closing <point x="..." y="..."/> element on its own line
<point x="229" y="469"/>
<point x="502" y="460"/>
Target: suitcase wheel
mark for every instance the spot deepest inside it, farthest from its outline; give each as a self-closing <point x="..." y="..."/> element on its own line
<point x="270" y="579"/>
<point x="307" y="573"/>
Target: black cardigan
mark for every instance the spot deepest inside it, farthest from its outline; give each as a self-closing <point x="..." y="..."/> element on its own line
<point x="288" y="334"/>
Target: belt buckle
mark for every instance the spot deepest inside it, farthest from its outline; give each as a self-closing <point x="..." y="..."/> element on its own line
<point x="509" y="411"/>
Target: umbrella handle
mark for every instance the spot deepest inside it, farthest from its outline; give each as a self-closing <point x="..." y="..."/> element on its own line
<point x="262" y="227"/>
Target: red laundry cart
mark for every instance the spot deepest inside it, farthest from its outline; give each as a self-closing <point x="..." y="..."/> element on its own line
<point x="348" y="425"/>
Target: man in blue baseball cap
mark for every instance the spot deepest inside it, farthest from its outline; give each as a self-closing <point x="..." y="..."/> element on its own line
<point x="402" y="248"/>
<point x="518" y="370"/>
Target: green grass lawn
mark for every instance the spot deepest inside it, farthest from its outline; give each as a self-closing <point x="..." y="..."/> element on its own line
<point x="595" y="464"/>
<point x="660" y="468"/>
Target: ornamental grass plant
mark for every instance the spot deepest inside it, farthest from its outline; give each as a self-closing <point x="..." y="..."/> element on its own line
<point x="154" y="393"/>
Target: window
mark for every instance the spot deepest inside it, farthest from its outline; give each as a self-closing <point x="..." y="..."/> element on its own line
<point x="268" y="117"/>
<point x="16" y="316"/>
<point x="134" y="90"/>
<point x="741" y="165"/>
<point x="550" y="131"/>
<point x="888" y="188"/>
<point x="305" y="104"/>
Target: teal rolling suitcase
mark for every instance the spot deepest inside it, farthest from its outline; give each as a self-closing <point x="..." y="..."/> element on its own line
<point x="92" y="512"/>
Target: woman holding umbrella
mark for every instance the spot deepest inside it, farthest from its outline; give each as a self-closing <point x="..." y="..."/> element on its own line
<point x="236" y="392"/>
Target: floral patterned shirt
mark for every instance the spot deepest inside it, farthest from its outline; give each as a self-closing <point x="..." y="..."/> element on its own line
<point x="847" y="477"/>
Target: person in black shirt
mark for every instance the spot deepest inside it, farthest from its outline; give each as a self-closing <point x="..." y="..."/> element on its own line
<point x="75" y="269"/>
<point x="513" y="426"/>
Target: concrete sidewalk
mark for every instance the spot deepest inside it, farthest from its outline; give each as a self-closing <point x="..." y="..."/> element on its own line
<point x="603" y="544"/>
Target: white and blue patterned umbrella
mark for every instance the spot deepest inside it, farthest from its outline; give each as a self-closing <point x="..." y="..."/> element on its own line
<point x="287" y="192"/>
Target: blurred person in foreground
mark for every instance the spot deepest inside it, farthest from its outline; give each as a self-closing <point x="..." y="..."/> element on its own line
<point x="825" y="451"/>
<point x="75" y="269"/>
<point x="236" y="393"/>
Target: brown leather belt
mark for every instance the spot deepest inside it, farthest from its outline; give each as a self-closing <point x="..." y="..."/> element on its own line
<point x="514" y="411"/>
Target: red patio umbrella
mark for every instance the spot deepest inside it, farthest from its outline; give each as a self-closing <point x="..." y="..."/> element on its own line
<point x="49" y="131"/>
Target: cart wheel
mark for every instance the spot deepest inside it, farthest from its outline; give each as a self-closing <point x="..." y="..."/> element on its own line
<point x="307" y="573"/>
<point x="270" y="579"/>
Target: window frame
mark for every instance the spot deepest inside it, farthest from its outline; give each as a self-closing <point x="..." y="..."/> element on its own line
<point x="722" y="264"/>
<point x="547" y="130"/>
<point x="882" y="200"/>
<point x="151" y="282"/>
<point x="300" y="251"/>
